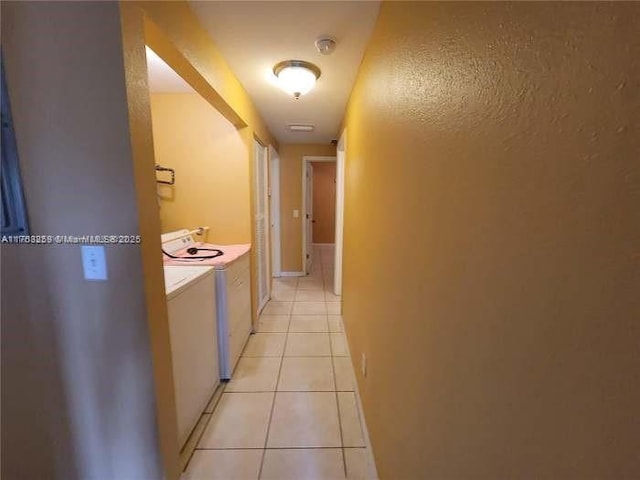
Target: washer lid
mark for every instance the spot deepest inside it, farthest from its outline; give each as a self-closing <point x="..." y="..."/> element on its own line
<point x="178" y="277"/>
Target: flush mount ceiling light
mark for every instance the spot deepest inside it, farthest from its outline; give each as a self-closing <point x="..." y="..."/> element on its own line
<point x="296" y="77"/>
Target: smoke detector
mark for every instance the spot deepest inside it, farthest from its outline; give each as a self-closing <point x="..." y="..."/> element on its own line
<point x="326" y="45"/>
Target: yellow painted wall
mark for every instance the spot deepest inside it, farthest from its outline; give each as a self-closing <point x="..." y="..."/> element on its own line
<point x="78" y="396"/>
<point x="291" y="199"/>
<point x="491" y="267"/>
<point x="212" y="168"/>
<point x="324" y="202"/>
<point x="173" y="32"/>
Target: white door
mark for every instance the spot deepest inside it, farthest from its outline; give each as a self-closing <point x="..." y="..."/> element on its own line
<point x="308" y="218"/>
<point x="274" y="197"/>
<point x="261" y="223"/>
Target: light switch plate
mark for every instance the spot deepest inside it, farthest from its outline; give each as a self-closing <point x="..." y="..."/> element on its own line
<point x="94" y="262"/>
<point x="296" y="213"/>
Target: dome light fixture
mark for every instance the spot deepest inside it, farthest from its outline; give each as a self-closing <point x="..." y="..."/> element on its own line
<point x="296" y="77"/>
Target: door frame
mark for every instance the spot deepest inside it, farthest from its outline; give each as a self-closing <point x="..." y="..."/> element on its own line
<point x="257" y="143"/>
<point x="308" y="218"/>
<point x="274" y="204"/>
<point x="339" y="236"/>
<point x="306" y="160"/>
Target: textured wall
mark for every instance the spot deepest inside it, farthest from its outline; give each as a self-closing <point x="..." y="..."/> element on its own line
<point x="492" y="263"/>
<point x="212" y="168"/>
<point x="291" y="199"/>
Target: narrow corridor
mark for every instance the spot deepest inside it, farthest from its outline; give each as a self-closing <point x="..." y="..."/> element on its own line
<point x="290" y="411"/>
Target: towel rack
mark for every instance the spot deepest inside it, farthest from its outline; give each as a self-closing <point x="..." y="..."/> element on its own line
<point x="160" y="168"/>
<point x="196" y="231"/>
<point x="167" y="237"/>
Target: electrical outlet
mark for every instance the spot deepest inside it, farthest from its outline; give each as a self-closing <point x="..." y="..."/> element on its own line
<point x="363" y="365"/>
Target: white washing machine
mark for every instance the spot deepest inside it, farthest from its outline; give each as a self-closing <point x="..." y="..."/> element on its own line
<point x="191" y="307"/>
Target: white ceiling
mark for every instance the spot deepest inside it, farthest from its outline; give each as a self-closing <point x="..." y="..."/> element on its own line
<point x="162" y="78"/>
<point x="254" y="36"/>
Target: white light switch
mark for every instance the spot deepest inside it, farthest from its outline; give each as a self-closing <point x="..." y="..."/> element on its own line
<point x="296" y="213"/>
<point x="94" y="262"/>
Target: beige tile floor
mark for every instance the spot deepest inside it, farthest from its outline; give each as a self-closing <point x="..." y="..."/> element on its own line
<point x="290" y="410"/>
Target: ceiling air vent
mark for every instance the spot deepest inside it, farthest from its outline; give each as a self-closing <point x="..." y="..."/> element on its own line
<point x="301" y="128"/>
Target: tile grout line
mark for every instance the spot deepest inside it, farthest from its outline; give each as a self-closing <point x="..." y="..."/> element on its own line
<point x="344" y="458"/>
<point x="223" y="390"/>
<point x="211" y="449"/>
<point x="297" y="355"/>
<point x="282" y="358"/>
<point x="335" y="383"/>
<point x="273" y="404"/>
<point x="289" y="391"/>
<point x="220" y="391"/>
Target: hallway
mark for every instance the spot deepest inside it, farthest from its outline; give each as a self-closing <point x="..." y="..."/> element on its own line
<point x="290" y="411"/>
<point x="489" y="175"/>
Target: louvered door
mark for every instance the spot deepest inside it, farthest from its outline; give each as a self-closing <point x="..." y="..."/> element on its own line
<point x="261" y="223"/>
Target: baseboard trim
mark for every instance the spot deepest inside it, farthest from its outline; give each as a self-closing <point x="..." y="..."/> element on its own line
<point x="372" y="471"/>
<point x="292" y="274"/>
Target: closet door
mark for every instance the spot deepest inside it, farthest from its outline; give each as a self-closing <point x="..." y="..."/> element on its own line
<point x="261" y="222"/>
